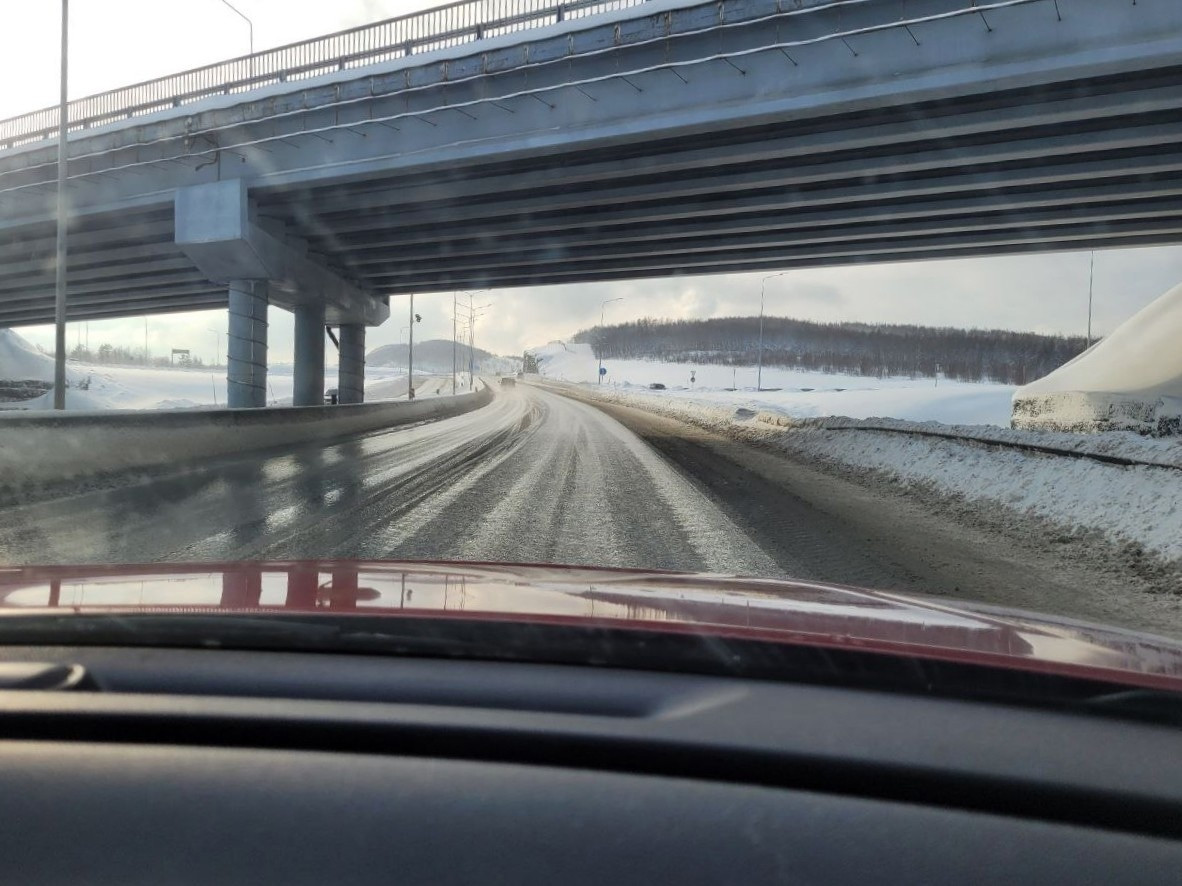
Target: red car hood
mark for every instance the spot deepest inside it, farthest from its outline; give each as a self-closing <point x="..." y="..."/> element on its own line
<point x="790" y="612"/>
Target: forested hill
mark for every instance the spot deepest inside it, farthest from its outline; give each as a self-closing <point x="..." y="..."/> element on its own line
<point x="857" y="348"/>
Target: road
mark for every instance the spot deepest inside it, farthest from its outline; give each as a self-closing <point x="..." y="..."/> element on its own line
<point x="532" y="477"/>
<point x="539" y="477"/>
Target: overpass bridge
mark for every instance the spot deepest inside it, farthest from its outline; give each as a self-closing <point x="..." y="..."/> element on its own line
<point x="498" y="143"/>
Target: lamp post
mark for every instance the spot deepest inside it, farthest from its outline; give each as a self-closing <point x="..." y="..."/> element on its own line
<point x="602" y="308"/>
<point x="759" y="370"/>
<point x="474" y="311"/>
<point x="410" y="352"/>
<point x="249" y="24"/>
<point x="1091" y="269"/>
<point x="59" y="300"/>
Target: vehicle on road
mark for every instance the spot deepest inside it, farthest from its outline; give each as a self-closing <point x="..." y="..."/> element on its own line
<point x="508" y="381"/>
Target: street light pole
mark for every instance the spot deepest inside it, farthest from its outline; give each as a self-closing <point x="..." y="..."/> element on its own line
<point x="759" y="370"/>
<point x="249" y="25"/>
<point x="454" y="331"/>
<point x="410" y="353"/>
<point x="1091" y="268"/>
<point x="217" y="353"/>
<point x="602" y="308"/>
<point x="59" y="301"/>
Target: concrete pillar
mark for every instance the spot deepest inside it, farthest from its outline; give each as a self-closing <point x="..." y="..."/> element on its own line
<point x="351" y="374"/>
<point x="246" y="345"/>
<point x="308" y="381"/>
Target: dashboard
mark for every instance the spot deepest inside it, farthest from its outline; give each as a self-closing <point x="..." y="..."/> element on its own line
<point x="188" y="765"/>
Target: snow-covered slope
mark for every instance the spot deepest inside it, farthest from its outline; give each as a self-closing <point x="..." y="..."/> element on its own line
<point x="1131" y="380"/>
<point x="20" y="361"/>
<point x="798" y="393"/>
<point x="106" y="386"/>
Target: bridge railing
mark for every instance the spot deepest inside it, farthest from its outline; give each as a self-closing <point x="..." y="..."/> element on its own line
<point x="454" y="24"/>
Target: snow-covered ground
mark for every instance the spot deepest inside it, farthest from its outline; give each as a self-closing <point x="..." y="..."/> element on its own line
<point x="800" y="394"/>
<point x="105" y="386"/>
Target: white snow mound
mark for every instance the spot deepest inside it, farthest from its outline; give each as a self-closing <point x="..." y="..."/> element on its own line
<point x="1131" y="380"/>
<point x="20" y="361"/>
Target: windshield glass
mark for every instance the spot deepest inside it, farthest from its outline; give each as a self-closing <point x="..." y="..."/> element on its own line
<point x="826" y="294"/>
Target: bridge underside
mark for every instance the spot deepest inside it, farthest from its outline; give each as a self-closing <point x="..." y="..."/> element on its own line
<point x="1083" y="165"/>
<point x="667" y="144"/>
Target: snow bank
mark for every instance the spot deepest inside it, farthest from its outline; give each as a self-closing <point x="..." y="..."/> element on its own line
<point x="1131" y="380"/>
<point x="47" y="448"/>
<point x="20" y="361"/>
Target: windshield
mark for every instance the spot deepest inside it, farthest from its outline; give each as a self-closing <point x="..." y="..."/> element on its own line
<point x="818" y="293"/>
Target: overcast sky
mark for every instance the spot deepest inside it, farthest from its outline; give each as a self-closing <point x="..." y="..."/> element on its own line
<point x="117" y="42"/>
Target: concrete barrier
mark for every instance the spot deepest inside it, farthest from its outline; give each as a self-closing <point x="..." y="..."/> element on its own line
<point x="37" y="449"/>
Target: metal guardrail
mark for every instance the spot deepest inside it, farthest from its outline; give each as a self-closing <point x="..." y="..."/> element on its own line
<point x="452" y="25"/>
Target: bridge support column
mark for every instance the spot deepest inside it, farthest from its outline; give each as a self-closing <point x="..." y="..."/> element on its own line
<point x="308" y="372"/>
<point x="351" y="372"/>
<point x="246" y="348"/>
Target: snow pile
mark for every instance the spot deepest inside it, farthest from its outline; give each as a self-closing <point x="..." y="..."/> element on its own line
<point x="20" y="361"/>
<point x="793" y="393"/>
<point x="1139" y="506"/>
<point x="1131" y="380"/>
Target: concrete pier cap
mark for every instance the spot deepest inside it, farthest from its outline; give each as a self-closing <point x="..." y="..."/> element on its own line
<point x="262" y="265"/>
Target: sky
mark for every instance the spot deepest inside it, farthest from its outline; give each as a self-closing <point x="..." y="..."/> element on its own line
<point x="118" y="42"/>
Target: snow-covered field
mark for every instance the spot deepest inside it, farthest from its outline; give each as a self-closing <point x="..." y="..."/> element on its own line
<point x="105" y="386"/>
<point x="800" y="394"/>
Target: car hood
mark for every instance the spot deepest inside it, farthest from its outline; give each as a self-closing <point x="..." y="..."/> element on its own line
<point x="788" y="612"/>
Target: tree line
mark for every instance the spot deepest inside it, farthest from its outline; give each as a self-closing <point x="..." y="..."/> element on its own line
<point x="122" y="356"/>
<point x="877" y="350"/>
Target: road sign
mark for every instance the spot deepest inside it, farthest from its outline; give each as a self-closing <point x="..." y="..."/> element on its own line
<point x="603" y="370"/>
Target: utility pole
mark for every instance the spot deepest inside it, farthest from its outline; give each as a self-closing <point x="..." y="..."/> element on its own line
<point x="759" y="371"/>
<point x="59" y="301"/>
<point x="602" y="307"/>
<point x="410" y="353"/>
<point x="474" y="310"/>
<point x="1091" y="269"/>
<point x="454" y="321"/>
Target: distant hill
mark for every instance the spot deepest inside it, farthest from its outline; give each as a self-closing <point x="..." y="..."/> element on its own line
<point x="856" y="348"/>
<point x="433" y="355"/>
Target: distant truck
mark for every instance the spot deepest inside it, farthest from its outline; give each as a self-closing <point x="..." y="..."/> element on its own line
<point x="508" y="381"/>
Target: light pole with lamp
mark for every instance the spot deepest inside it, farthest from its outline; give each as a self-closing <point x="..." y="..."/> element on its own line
<point x="59" y="300"/>
<point x="602" y="308"/>
<point x="1091" y="270"/>
<point x="455" y="330"/>
<point x="249" y="24"/>
<point x="759" y="370"/>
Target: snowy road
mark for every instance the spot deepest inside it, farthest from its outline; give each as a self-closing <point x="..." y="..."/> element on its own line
<point x="532" y="477"/>
<point x="539" y="477"/>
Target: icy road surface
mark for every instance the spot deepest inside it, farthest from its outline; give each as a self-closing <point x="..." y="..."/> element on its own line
<point x="540" y="477"/>
<point x="532" y="477"/>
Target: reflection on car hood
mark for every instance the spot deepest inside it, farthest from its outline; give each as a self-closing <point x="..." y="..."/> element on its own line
<point x="792" y="612"/>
